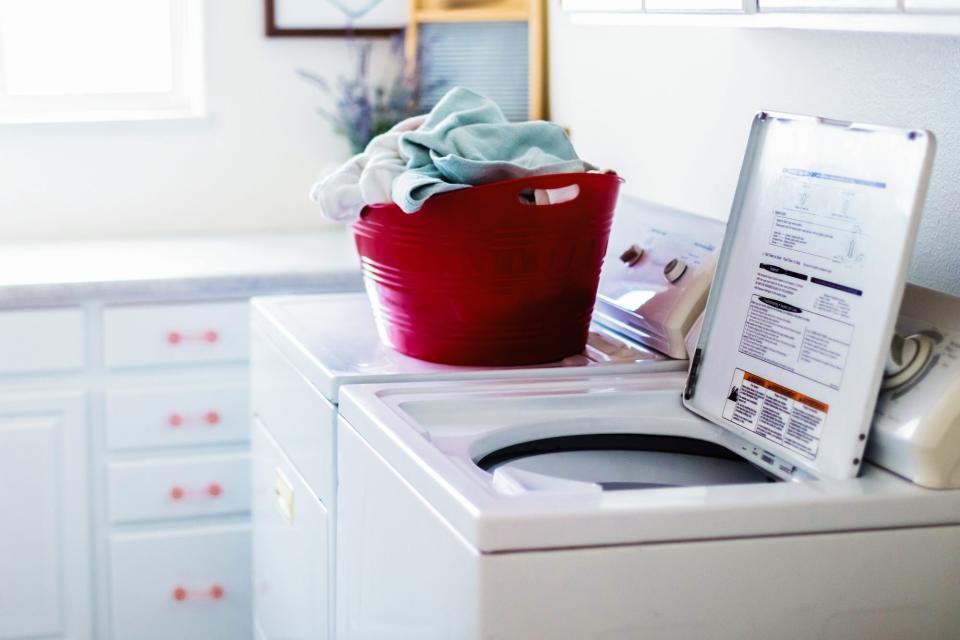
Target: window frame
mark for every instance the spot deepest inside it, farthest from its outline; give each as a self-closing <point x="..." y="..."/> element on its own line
<point x="185" y="100"/>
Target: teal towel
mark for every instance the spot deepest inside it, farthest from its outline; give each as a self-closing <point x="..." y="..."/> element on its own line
<point x="466" y="140"/>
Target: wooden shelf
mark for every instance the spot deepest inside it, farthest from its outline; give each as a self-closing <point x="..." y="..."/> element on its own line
<point x="943" y="24"/>
<point x="472" y="15"/>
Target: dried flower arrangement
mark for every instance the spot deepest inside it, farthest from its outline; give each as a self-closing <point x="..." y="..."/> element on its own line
<point x="362" y="108"/>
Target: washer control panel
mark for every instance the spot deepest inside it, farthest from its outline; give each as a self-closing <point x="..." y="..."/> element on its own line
<point x="916" y="427"/>
<point x="657" y="273"/>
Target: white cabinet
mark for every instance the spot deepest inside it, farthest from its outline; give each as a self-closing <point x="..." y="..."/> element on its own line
<point x="44" y="523"/>
<point x="125" y="427"/>
<point x="179" y="488"/>
<point x="42" y="340"/>
<point x="871" y="16"/>
<point x="932" y="6"/>
<point x="706" y="6"/>
<point x="183" y="585"/>
<point x="829" y="5"/>
<point x="175" y="334"/>
<point x="291" y="549"/>
<point x="163" y="416"/>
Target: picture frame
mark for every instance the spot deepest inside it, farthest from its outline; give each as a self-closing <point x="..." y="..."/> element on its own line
<point x="332" y="18"/>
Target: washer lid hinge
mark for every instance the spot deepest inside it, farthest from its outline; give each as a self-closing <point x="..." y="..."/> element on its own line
<point x="691" y="387"/>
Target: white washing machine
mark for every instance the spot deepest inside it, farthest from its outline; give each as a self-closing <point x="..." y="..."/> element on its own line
<point x="606" y="507"/>
<point x="306" y="348"/>
<point x="490" y="512"/>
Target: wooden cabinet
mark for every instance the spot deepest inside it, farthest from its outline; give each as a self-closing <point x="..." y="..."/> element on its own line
<point x="45" y="570"/>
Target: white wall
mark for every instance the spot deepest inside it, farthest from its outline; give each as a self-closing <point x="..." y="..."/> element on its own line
<point x="248" y="166"/>
<point x="670" y="108"/>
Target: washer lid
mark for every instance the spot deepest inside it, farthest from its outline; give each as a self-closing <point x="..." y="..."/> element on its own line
<point x="808" y="284"/>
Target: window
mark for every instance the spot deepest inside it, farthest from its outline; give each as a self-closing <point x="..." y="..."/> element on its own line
<point x="79" y="60"/>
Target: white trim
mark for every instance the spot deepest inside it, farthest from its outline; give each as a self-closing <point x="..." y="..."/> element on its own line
<point x="186" y="100"/>
<point x="852" y="22"/>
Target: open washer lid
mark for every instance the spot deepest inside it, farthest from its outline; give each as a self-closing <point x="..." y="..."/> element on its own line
<point x="807" y="288"/>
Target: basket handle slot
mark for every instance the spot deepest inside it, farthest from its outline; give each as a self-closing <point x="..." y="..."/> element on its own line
<point x="546" y="197"/>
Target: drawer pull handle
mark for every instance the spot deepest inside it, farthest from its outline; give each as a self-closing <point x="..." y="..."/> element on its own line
<point x="210" y="337"/>
<point x="210" y="418"/>
<point x="213" y="490"/>
<point x="216" y="592"/>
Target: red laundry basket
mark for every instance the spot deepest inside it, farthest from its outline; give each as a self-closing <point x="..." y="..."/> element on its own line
<point x="478" y="277"/>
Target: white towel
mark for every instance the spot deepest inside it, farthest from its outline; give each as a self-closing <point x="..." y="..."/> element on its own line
<point x="367" y="178"/>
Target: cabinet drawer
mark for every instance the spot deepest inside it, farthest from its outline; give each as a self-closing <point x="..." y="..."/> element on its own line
<point x="179" y="488"/>
<point x="171" y="334"/>
<point x="42" y="340"/>
<point x="189" y="585"/>
<point x="177" y="416"/>
<point x="291" y="548"/>
<point x="297" y="416"/>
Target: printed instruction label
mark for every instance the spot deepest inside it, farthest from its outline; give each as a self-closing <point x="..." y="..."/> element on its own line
<point x="808" y="343"/>
<point x="774" y="412"/>
<point x="807" y="287"/>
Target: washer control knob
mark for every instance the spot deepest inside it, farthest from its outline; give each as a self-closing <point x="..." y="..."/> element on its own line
<point x="905" y="359"/>
<point x="632" y="255"/>
<point x="674" y="270"/>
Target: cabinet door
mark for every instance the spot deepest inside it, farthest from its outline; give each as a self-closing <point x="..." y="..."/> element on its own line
<point x="291" y="549"/>
<point x="44" y="521"/>
<point x="189" y="584"/>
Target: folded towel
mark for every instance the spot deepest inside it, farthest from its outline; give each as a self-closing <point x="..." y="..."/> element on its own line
<point x="466" y="140"/>
<point x="366" y="178"/>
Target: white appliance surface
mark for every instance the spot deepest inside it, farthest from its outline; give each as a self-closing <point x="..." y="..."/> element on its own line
<point x="423" y="432"/>
<point x="916" y="427"/>
<point x="333" y="340"/>
<point x="656" y="273"/>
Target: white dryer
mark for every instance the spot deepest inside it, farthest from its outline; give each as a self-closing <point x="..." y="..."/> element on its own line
<point x="654" y="285"/>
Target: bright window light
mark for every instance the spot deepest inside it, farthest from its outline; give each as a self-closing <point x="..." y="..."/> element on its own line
<point x="63" y="60"/>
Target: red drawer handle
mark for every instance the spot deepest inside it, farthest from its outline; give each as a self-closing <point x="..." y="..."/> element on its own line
<point x="210" y="336"/>
<point x="210" y="418"/>
<point x="212" y="490"/>
<point x="216" y="592"/>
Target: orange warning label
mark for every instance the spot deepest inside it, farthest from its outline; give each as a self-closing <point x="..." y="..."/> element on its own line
<point x="775" y="412"/>
<point x="796" y="395"/>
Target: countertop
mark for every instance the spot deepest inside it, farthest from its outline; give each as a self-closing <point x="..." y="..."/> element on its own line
<point x="185" y="267"/>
